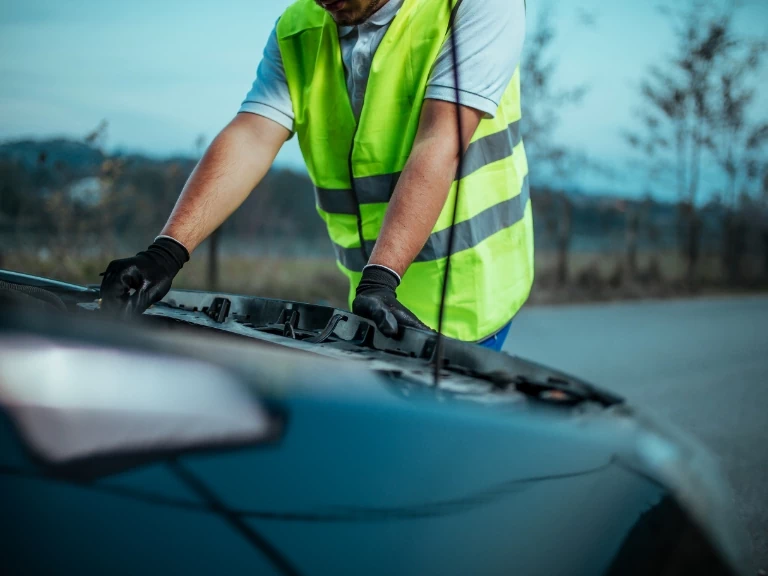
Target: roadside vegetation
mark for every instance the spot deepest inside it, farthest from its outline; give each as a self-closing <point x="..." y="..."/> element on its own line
<point x="68" y="207"/>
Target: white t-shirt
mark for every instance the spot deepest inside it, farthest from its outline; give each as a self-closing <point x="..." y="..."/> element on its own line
<point x="489" y="38"/>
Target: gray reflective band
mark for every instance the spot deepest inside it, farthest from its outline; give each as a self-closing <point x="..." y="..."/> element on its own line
<point x="352" y="258"/>
<point x="335" y="201"/>
<point x="376" y="189"/>
<point x="490" y="149"/>
<point x="469" y="233"/>
<point x="379" y="189"/>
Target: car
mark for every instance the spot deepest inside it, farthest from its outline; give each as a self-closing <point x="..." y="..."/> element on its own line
<point x="231" y="434"/>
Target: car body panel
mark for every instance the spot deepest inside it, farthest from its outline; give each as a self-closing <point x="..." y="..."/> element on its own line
<point x="371" y="470"/>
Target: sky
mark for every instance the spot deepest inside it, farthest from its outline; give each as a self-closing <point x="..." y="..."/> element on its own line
<point x="163" y="72"/>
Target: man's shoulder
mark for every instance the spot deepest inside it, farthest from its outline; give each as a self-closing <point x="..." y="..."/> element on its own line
<point x="299" y="16"/>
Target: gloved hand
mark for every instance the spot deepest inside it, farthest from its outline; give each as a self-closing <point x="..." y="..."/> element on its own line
<point x="149" y="274"/>
<point x="376" y="300"/>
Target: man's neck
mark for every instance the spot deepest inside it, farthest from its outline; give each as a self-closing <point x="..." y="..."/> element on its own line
<point x="372" y="9"/>
<point x="385" y="11"/>
<point x="382" y="13"/>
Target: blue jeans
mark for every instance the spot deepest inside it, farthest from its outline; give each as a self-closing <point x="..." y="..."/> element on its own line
<point x="496" y="342"/>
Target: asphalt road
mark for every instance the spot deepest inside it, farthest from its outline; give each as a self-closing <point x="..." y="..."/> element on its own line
<point x="701" y="363"/>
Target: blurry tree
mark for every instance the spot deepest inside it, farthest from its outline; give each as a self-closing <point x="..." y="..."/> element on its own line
<point x="200" y="144"/>
<point x="564" y="230"/>
<point x="632" y="215"/>
<point x="15" y="189"/>
<point x="765" y="184"/>
<point x="676" y="117"/>
<point x="544" y="103"/>
<point x="15" y="186"/>
<point x="97" y="137"/>
<point x="653" y="235"/>
<point x="764" y="227"/>
<point x="737" y="142"/>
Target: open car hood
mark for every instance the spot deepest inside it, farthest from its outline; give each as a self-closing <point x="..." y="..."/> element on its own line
<point x="339" y="334"/>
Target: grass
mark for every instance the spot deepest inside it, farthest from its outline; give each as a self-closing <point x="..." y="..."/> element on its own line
<point x="603" y="277"/>
<point x="304" y="280"/>
<point x="592" y="276"/>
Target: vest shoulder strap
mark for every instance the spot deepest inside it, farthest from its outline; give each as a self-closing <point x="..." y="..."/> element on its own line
<point x="300" y="16"/>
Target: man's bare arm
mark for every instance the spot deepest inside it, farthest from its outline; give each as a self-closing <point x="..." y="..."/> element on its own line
<point x="235" y="162"/>
<point x="424" y="184"/>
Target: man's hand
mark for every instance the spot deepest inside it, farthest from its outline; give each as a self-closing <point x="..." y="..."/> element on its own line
<point x="132" y="285"/>
<point x="376" y="300"/>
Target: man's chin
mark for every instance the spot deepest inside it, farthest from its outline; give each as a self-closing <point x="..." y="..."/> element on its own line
<point x="337" y="11"/>
<point x="346" y="19"/>
<point x="343" y="18"/>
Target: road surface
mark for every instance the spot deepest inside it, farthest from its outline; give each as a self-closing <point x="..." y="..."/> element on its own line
<point x="702" y="363"/>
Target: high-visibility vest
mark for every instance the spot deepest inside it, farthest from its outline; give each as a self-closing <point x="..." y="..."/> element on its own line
<point x="355" y="167"/>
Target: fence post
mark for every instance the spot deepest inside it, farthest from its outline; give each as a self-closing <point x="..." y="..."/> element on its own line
<point x="213" y="260"/>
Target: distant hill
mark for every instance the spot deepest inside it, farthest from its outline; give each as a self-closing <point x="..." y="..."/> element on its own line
<point x="283" y="207"/>
<point x="136" y="193"/>
<point x="58" y="152"/>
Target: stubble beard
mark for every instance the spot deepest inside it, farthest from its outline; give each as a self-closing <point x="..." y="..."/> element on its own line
<point x="357" y="19"/>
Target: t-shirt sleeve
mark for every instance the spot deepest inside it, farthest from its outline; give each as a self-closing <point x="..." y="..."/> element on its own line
<point x="269" y="95"/>
<point x="489" y="38"/>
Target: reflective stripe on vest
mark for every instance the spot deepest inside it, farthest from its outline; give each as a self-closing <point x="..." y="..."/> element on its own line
<point x="377" y="189"/>
<point x="356" y="165"/>
<point x="469" y="233"/>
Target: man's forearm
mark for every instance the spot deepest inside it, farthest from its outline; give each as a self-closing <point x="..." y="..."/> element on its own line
<point x="415" y="206"/>
<point x="424" y="185"/>
<point x="230" y="169"/>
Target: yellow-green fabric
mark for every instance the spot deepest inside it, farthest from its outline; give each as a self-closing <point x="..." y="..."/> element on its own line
<point x="492" y="259"/>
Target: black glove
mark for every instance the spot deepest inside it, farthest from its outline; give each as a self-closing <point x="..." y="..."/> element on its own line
<point x="376" y="300"/>
<point x="149" y="274"/>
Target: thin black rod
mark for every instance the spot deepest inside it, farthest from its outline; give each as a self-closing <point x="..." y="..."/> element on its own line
<point x="452" y="232"/>
<point x="278" y="560"/>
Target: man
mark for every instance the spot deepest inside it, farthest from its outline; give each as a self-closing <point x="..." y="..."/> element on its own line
<point x="369" y="87"/>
